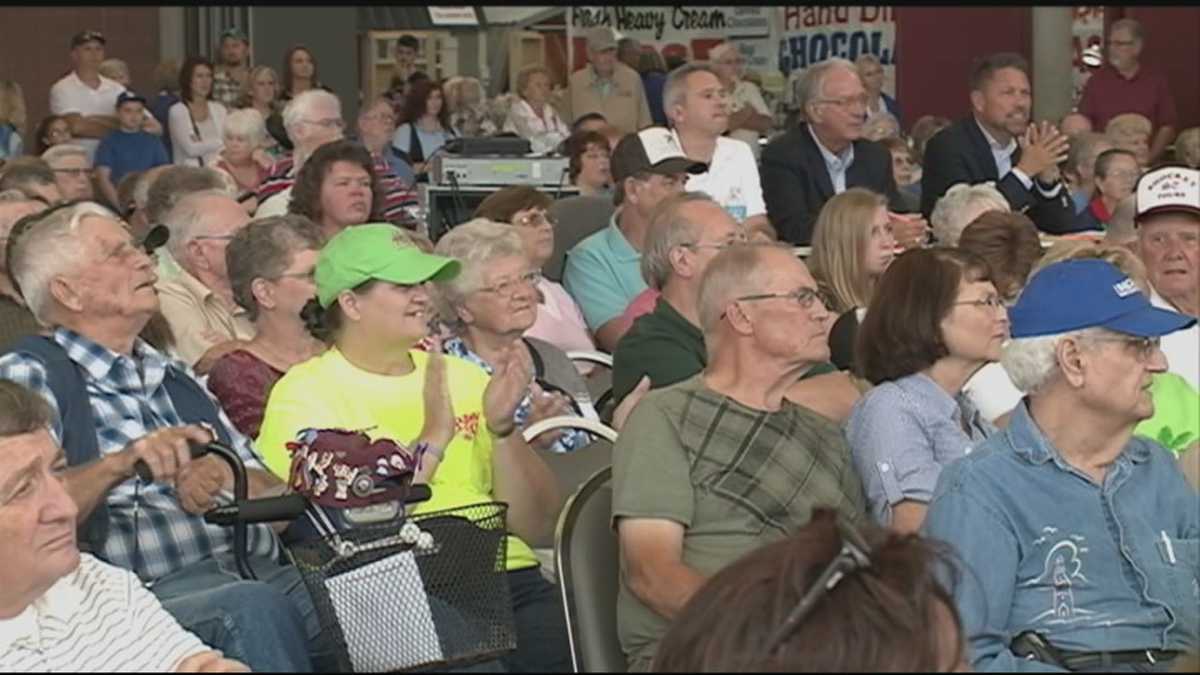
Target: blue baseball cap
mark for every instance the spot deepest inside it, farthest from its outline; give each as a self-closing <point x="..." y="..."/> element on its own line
<point x="1077" y="294"/>
<point x="127" y="96"/>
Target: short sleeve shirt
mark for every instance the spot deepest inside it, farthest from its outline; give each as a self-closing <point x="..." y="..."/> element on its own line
<point x="663" y="345"/>
<point x="732" y="180"/>
<point x="603" y="273"/>
<point x="902" y="433"/>
<point x="1108" y="93"/>
<point x="124" y="152"/>
<point x="736" y="478"/>
<point x="70" y="95"/>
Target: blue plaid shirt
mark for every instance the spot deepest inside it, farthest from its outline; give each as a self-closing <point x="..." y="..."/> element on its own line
<point x="570" y="440"/>
<point x="149" y="532"/>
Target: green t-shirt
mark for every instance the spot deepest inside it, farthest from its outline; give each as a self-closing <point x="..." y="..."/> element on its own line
<point x="328" y="392"/>
<point x="1176" y="421"/>
<point x="668" y="348"/>
<point x="736" y="478"/>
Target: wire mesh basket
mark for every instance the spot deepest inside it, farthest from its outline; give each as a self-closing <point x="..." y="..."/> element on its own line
<point x="389" y="603"/>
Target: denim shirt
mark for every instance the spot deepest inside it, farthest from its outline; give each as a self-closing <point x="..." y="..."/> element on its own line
<point x="902" y="433"/>
<point x="1092" y="567"/>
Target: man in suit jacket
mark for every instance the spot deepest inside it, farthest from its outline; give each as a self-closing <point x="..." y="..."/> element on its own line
<point x="803" y="168"/>
<point x="997" y="143"/>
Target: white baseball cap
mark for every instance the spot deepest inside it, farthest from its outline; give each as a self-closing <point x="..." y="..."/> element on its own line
<point x="1171" y="188"/>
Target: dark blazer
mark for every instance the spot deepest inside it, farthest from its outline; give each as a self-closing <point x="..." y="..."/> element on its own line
<point x="796" y="182"/>
<point x="960" y="154"/>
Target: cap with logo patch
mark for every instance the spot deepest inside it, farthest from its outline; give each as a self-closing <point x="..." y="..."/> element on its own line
<point x="1077" y="294"/>
<point x="85" y="36"/>
<point x="651" y="150"/>
<point x="375" y="251"/>
<point x="1171" y="188"/>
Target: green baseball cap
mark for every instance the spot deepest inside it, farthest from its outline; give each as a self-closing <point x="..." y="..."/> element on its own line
<point x="375" y="251"/>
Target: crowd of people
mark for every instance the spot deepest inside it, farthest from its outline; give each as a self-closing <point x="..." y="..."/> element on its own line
<point x="885" y="400"/>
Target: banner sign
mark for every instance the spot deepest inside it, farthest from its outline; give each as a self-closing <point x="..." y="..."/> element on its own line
<point x="811" y="34"/>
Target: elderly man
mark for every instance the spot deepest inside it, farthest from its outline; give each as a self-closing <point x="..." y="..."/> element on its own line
<point x="602" y="272"/>
<point x="234" y="68"/>
<point x="722" y="463"/>
<point x="1125" y="85"/>
<point x="697" y="106"/>
<point x="72" y="167"/>
<point x="198" y="301"/>
<point x="16" y="321"/>
<point x="749" y="115"/>
<point x="32" y="177"/>
<point x="115" y="401"/>
<point x="312" y="119"/>
<point x="998" y="143"/>
<point x="607" y="86"/>
<point x="45" y="583"/>
<point x="1072" y="124"/>
<point x="1080" y="539"/>
<point x="1168" y="241"/>
<point x="376" y="124"/>
<point x="86" y="98"/>
<point x="804" y="167"/>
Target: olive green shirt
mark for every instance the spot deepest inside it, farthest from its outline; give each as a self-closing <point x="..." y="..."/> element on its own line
<point x="736" y="478"/>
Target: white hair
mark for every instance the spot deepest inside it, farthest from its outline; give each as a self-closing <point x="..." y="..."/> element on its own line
<point x="950" y="213"/>
<point x="62" y="150"/>
<point x="719" y="50"/>
<point x="184" y="219"/>
<point x="1031" y="361"/>
<point x="246" y="123"/>
<point x="475" y="244"/>
<point x="300" y="106"/>
<point x="812" y="84"/>
<point x="50" y="249"/>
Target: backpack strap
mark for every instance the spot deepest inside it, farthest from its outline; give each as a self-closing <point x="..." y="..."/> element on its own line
<point x="68" y="385"/>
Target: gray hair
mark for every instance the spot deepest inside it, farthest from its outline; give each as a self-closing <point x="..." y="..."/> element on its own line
<point x="720" y="49"/>
<point x="21" y="410"/>
<point x="50" y="249"/>
<point x="675" y="87"/>
<point x="734" y="272"/>
<point x="300" y="106"/>
<point x="475" y="244"/>
<point x="949" y="217"/>
<point x="246" y="123"/>
<point x="62" y="151"/>
<point x="669" y="229"/>
<point x="526" y="74"/>
<point x="175" y="183"/>
<point x="263" y="250"/>
<point x="1132" y="25"/>
<point x="1032" y="361"/>
<point x="811" y="86"/>
<point x="185" y="218"/>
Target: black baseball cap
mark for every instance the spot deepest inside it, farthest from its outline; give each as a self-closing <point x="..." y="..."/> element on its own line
<point x="651" y="150"/>
<point x="127" y="96"/>
<point x="86" y="36"/>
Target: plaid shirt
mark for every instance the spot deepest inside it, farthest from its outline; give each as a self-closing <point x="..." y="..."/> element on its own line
<point x="225" y="89"/>
<point x="149" y="532"/>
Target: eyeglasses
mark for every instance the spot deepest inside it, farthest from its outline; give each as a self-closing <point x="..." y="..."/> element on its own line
<point x="78" y="173"/>
<point x="716" y="245"/>
<point x="847" y="101"/>
<point x="215" y="237"/>
<point x="805" y="297"/>
<point x="328" y="123"/>
<point x="992" y="301"/>
<point x="535" y="219"/>
<point x="1127" y="175"/>
<point x="854" y="555"/>
<point x="509" y="288"/>
<point x="1143" y="347"/>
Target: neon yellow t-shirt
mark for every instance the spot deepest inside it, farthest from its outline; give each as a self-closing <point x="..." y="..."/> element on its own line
<point x="1176" y="421"/>
<point x="329" y="392"/>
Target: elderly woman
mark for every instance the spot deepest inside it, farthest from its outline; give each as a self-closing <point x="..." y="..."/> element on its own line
<point x="906" y="171"/>
<point x="531" y="116"/>
<point x="372" y="307"/>
<point x="962" y="204"/>
<point x="935" y="320"/>
<point x="589" y="158"/>
<point x="1081" y="536"/>
<point x="559" y="320"/>
<point x="337" y="188"/>
<point x="469" y="111"/>
<point x="1131" y="131"/>
<point x="1116" y="173"/>
<point x="270" y="264"/>
<point x="749" y="116"/>
<point x="196" y="123"/>
<point x="490" y="305"/>
<point x="1187" y="147"/>
<point x="243" y="156"/>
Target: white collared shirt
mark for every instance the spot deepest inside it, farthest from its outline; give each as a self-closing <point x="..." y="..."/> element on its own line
<point x="731" y="180"/>
<point x="1002" y="154"/>
<point x="71" y="95"/>
<point x="1182" y="347"/>
<point x="113" y="624"/>
<point x="836" y="164"/>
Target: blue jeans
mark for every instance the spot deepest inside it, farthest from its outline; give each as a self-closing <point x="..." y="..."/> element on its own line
<point x="542" y="645"/>
<point x="269" y="624"/>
